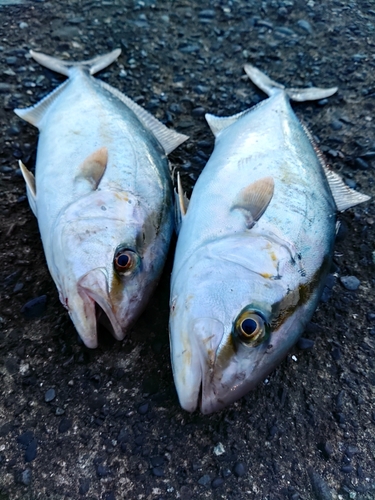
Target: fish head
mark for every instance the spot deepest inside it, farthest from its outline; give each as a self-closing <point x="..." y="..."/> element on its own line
<point x="236" y="310"/>
<point x="107" y="255"/>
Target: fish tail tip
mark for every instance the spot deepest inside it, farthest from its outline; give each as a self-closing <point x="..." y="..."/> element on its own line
<point x="268" y="86"/>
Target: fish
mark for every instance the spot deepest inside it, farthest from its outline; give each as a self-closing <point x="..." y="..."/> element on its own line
<point x="102" y="194"/>
<point x="254" y="248"/>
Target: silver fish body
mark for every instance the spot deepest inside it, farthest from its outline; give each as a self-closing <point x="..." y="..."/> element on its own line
<point x="102" y="195"/>
<point x="252" y="255"/>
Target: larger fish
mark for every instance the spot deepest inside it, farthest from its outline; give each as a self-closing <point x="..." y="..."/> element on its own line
<point x="102" y="194"/>
<point x="253" y="251"/>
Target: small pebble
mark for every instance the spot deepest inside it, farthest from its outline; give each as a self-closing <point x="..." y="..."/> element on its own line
<point x="25" y="438"/>
<point x="351" y="451"/>
<point x="347" y="469"/>
<point x="143" y="408"/>
<point x="305" y="344"/>
<point x="305" y="25"/>
<point x="185" y="493"/>
<point x="109" y="496"/>
<point x="31" y="451"/>
<point x="34" y="308"/>
<point x="217" y="482"/>
<point x="50" y="395"/>
<point x="336" y="353"/>
<point x="157" y="461"/>
<point x="326" y="449"/>
<point x="158" y="471"/>
<point x="219" y="449"/>
<point x="102" y="471"/>
<point x="226" y="473"/>
<point x="350" y="282"/>
<point x="65" y="425"/>
<point x="239" y="469"/>
<point x="204" y="480"/>
<point x="84" y="486"/>
<point x="336" y="125"/>
<point x="26" y="477"/>
<point x="319" y="486"/>
<point x="361" y="163"/>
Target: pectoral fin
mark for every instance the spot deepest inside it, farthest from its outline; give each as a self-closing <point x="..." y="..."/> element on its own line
<point x="91" y="170"/>
<point x="30" y="186"/>
<point x="254" y="199"/>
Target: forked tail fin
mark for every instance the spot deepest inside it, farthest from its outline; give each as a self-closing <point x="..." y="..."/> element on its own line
<point x="64" y="67"/>
<point x="269" y="86"/>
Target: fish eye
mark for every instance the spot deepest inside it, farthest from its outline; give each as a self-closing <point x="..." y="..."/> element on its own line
<point x="125" y="260"/>
<point x="250" y="328"/>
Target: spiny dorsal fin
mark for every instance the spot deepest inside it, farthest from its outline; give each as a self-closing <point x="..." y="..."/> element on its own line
<point x="30" y="186"/>
<point x="344" y="196"/>
<point x="93" y="65"/>
<point x="181" y="204"/>
<point x="269" y="86"/>
<point x="169" y="139"/>
<point x="34" y="114"/>
<point x="219" y="123"/>
<point x="254" y="199"/>
<point x="92" y="169"/>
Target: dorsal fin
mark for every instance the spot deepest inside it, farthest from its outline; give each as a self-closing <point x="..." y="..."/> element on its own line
<point x="254" y="199"/>
<point x="91" y="170"/>
<point x="30" y="186"/>
<point x="219" y="123"/>
<point x="169" y="139"/>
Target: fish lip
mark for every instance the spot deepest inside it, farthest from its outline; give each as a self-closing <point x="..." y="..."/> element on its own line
<point x="207" y="346"/>
<point x="94" y="286"/>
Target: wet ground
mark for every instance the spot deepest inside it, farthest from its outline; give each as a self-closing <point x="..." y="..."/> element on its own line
<point x="106" y="424"/>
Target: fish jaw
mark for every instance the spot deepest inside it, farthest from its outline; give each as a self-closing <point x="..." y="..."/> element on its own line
<point x="94" y="285"/>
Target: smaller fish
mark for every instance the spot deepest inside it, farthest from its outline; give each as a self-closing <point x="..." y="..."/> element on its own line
<point x="102" y="194"/>
<point x="253" y="251"/>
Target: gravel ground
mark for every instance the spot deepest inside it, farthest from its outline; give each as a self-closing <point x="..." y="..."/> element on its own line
<point x="106" y="424"/>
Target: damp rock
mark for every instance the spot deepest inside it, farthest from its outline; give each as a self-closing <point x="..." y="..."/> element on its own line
<point x="49" y="395"/>
<point x="305" y="344"/>
<point x="35" y="308"/>
<point x="350" y="282"/>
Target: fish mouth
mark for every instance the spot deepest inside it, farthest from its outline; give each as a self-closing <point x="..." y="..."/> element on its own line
<point x="200" y="391"/>
<point x="94" y="305"/>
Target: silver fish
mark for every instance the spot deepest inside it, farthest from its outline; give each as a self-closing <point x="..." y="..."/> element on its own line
<point x="102" y="194"/>
<point x="253" y="250"/>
